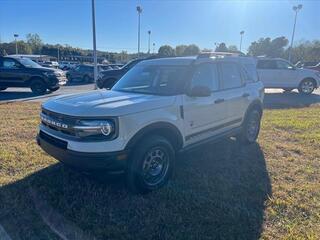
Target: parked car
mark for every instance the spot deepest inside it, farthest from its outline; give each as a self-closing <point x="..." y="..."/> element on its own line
<point x="82" y="73"/>
<point x="107" y="79"/>
<point x="23" y="72"/>
<point x="309" y="65"/>
<point x="49" y="64"/>
<point x="65" y="65"/>
<point x="158" y="109"/>
<point x="279" y="73"/>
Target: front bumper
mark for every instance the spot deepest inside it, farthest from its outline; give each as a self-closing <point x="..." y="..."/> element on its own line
<point x="108" y="161"/>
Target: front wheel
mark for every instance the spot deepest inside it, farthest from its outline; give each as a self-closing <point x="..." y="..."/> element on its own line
<point x="251" y="127"/>
<point x="38" y="87"/>
<point x="307" y="86"/>
<point x="151" y="165"/>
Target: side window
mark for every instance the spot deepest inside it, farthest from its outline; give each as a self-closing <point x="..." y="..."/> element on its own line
<point x="9" y="64"/>
<point x="266" y="64"/>
<point x="206" y="75"/>
<point x="231" y="77"/>
<point x="250" y="73"/>
<point x="283" y="65"/>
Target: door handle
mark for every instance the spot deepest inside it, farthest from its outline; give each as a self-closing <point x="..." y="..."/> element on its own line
<point x="220" y="100"/>
<point x="245" y="95"/>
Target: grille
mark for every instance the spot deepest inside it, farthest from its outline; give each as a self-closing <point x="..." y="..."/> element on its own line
<point x="61" y="119"/>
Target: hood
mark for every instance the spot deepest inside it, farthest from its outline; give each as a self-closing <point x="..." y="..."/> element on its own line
<point x="104" y="103"/>
<point x="111" y="72"/>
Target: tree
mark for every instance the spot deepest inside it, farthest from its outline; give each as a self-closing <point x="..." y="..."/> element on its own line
<point x="222" y="48"/>
<point x="166" y="51"/>
<point x="268" y="47"/>
<point x="191" y="50"/>
<point x="232" y="48"/>
<point x="180" y="50"/>
<point x="35" y="42"/>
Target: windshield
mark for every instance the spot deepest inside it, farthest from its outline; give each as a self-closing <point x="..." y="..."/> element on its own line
<point x="153" y="79"/>
<point x="28" y="63"/>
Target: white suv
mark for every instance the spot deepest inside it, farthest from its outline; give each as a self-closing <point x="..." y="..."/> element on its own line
<point x="278" y="73"/>
<point x="158" y="109"/>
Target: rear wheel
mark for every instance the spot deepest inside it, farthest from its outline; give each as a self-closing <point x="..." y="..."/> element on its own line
<point x="151" y="165"/>
<point x="307" y="86"/>
<point x="86" y="79"/>
<point x="251" y="127"/>
<point x="2" y="88"/>
<point x="38" y="87"/>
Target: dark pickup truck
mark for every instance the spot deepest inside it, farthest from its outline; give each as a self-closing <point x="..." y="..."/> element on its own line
<point x="23" y="72"/>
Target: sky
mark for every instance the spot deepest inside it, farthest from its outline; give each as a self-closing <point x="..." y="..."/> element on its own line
<point x="171" y="22"/>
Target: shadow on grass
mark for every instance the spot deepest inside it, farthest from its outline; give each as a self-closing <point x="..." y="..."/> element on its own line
<point x="218" y="192"/>
<point x="289" y="100"/>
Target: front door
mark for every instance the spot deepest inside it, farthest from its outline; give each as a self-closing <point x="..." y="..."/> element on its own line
<point x="203" y="115"/>
<point x="12" y="73"/>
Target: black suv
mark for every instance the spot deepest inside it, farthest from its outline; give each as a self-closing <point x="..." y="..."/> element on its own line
<point x="83" y="73"/>
<point x="23" y="72"/>
<point x="108" y="78"/>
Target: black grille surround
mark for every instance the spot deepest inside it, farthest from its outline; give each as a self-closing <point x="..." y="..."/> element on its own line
<point x="71" y="121"/>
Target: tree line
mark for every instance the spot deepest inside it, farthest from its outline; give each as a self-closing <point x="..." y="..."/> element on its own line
<point x="277" y="47"/>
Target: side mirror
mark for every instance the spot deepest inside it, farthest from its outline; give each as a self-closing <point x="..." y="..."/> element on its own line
<point x="199" y="91"/>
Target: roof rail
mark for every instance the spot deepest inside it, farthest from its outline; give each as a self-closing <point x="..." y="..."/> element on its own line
<point x="219" y="54"/>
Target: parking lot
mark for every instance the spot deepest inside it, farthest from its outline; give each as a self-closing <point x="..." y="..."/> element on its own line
<point x="274" y="98"/>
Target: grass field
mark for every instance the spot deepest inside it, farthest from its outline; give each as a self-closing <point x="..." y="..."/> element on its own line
<point x="268" y="190"/>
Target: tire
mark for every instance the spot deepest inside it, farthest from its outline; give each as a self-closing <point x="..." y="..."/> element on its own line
<point x="54" y="89"/>
<point x="287" y="90"/>
<point x="307" y="86"/>
<point x="109" y="83"/>
<point x="38" y="87"/>
<point x="251" y="127"/>
<point x="86" y="79"/>
<point x="2" y="88"/>
<point x="151" y="165"/>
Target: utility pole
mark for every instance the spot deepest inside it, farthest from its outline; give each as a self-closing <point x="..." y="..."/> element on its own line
<point x="241" y="34"/>
<point x="139" y="10"/>
<point x="15" y="39"/>
<point x="95" y="73"/>
<point x="149" y="33"/>
<point x="296" y="9"/>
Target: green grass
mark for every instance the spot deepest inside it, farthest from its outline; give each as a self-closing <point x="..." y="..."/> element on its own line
<point x="269" y="190"/>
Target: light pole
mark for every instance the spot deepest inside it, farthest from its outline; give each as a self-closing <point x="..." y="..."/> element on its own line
<point x="153" y="45"/>
<point x="241" y="34"/>
<point x="296" y="9"/>
<point x="15" y="39"/>
<point x="139" y="10"/>
<point x="149" y="33"/>
<point x="95" y="72"/>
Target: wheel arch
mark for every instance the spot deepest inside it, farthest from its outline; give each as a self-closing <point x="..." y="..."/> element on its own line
<point x="255" y="105"/>
<point x="33" y="78"/>
<point x="310" y="78"/>
<point x="164" y="129"/>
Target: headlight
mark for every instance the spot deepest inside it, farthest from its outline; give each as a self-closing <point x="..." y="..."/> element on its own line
<point x="95" y="128"/>
<point x="50" y="74"/>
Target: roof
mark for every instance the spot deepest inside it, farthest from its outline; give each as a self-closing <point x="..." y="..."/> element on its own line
<point x="28" y="56"/>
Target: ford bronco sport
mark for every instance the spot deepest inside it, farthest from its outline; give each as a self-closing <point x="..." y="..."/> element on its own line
<point x="158" y="109"/>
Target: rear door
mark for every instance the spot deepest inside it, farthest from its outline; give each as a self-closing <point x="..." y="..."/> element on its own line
<point x="233" y="91"/>
<point x="12" y="73"/>
<point x="203" y="116"/>
<point x="267" y="71"/>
